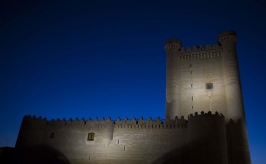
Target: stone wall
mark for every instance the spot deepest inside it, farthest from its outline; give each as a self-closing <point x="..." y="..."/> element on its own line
<point x="133" y="141"/>
<point x="188" y="71"/>
<point x="195" y="75"/>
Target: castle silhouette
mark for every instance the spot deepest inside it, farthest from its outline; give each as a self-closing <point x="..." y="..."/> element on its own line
<point x="204" y="123"/>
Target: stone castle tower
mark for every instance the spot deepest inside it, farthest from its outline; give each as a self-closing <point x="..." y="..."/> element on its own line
<point x="205" y="121"/>
<point x="204" y="78"/>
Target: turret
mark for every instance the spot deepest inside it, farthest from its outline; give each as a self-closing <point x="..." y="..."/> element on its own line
<point x="172" y="48"/>
<point x="236" y="133"/>
<point x="235" y="109"/>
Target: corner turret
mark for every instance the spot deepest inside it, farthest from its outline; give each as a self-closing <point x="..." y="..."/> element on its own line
<point x="235" y="108"/>
<point x="173" y="44"/>
<point x="227" y="36"/>
<point x="173" y="77"/>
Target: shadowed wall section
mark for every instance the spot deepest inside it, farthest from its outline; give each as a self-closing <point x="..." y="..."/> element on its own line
<point x="237" y="142"/>
<point x="39" y="154"/>
<point x="207" y="139"/>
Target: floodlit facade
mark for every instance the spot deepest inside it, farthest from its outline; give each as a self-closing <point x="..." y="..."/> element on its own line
<point x="205" y="120"/>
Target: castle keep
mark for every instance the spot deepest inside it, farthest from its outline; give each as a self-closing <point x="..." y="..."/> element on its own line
<point x="204" y="123"/>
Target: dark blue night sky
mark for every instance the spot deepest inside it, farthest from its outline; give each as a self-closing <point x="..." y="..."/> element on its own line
<point x="68" y="59"/>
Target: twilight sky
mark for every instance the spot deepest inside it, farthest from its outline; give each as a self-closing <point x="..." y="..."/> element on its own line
<point x="100" y="58"/>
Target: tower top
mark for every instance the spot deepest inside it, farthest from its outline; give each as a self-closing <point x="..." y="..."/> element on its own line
<point x="173" y="43"/>
<point x="227" y="36"/>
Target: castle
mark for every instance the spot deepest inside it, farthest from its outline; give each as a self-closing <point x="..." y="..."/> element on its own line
<point x="204" y="124"/>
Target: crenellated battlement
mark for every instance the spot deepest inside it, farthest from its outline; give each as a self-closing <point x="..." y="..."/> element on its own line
<point x="200" y="48"/>
<point x="57" y="121"/>
<point x="227" y="36"/>
<point x="140" y="123"/>
<point x="203" y="114"/>
<point x="29" y="117"/>
<point x="206" y="119"/>
<point x="200" y="52"/>
<point x="126" y="123"/>
<point x="151" y="124"/>
<point x="173" y="43"/>
<point x="227" y="32"/>
<point x="118" y="123"/>
<point x="34" y="116"/>
<point x="200" y="55"/>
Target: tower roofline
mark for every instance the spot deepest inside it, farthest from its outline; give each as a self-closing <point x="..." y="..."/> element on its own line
<point x="227" y="32"/>
<point x="173" y="43"/>
<point x="226" y="36"/>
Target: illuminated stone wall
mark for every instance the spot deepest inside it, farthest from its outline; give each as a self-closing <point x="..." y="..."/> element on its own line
<point x="134" y="141"/>
<point x="197" y="72"/>
<point x="190" y="70"/>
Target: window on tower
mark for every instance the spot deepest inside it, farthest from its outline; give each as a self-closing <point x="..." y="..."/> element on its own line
<point x="209" y="85"/>
<point x="90" y="137"/>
